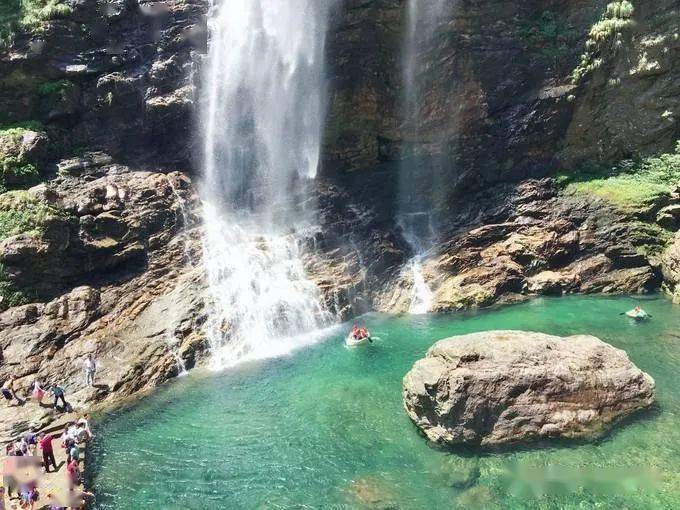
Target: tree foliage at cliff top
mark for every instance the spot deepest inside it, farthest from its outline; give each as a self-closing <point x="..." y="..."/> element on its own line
<point x="16" y="15"/>
<point x="631" y="185"/>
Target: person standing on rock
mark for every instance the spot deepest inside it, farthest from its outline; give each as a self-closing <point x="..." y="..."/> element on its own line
<point x="90" y="370"/>
<point x="47" y="451"/>
<point x="73" y="470"/>
<point x="9" y="392"/>
<point x="38" y="393"/>
<point x="31" y="440"/>
<point x="58" y="393"/>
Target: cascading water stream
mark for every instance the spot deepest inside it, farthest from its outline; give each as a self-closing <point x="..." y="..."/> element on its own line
<point x="262" y="117"/>
<point x="415" y="200"/>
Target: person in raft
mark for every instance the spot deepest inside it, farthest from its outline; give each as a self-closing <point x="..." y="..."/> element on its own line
<point x="359" y="333"/>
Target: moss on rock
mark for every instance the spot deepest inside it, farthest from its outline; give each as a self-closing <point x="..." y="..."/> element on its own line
<point x="632" y="186"/>
<point x="53" y="94"/>
<point x="23" y="213"/>
<point x="18" y="147"/>
<point x="11" y="294"/>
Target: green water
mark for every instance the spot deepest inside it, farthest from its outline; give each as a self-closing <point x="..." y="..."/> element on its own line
<point x="324" y="428"/>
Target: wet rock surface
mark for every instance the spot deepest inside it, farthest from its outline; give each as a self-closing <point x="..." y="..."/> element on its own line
<point x="502" y="387"/>
<point x="119" y="276"/>
<point x="505" y="244"/>
<point x="671" y="268"/>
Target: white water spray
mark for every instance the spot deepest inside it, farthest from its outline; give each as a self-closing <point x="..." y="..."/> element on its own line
<point x="262" y="123"/>
<point x="415" y="206"/>
<point x="421" y="298"/>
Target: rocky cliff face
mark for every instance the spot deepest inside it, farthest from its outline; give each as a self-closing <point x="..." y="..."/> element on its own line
<point x="99" y="228"/>
<point x="113" y="270"/>
<point x="114" y="76"/>
<point x="512" y="90"/>
<point x="99" y="247"/>
<point x="507" y="91"/>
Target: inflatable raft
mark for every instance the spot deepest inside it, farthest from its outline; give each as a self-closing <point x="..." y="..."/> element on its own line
<point x="638" y="315"/>
<point x="350" y="341"/>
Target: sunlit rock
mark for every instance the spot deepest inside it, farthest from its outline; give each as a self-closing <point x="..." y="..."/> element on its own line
<point x="502" y="387"/>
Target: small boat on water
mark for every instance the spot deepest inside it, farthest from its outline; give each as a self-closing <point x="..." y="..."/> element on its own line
<point x="351" y="341"/>
<point x="358" y="336"/>
<point x="637" y="314"/>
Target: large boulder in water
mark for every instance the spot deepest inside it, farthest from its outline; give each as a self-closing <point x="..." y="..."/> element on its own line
<point x="501" y="387"/>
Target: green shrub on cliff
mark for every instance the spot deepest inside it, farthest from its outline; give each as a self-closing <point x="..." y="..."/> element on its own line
<point x="54" y="93"/>
<point x="15" y="170"/>
<point x="24" y="213"/>
<point x="632" y="185"/>
<point x="16" y="15"/>
<point x="10" y="293"/>
<point x="604" y="36"/>
<point x="54" y="88"/>
<point x="616" y="18"/>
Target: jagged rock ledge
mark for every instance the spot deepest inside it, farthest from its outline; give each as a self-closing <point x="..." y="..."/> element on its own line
<point x="111" y="267"/>
<point x="502" y="387"/>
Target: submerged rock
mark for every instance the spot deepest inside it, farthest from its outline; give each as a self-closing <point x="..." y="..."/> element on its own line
<point x="461" y="472"/>
<point x="478" y="498"/>
<point x="501" y="387"/>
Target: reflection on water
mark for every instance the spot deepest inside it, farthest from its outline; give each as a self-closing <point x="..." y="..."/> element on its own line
<point x="325" y="427"/>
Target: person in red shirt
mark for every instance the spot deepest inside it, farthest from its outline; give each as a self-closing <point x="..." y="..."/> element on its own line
<point x="47" y="451"/>
<point x="73" y="470"/>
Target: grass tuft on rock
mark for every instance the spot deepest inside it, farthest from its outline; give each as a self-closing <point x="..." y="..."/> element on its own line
<point x="604" y="37"/>
<point x="23" y="213"/>
<point x="632" y="185"/>
<point x="15" y="170"/>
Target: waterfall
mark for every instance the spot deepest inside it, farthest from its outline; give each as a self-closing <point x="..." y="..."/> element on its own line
<point x="262" y="115"/>
<point x="417" y="175"/>
<point x="421" y="298"/>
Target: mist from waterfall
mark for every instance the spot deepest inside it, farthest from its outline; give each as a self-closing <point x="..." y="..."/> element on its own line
<point x="417" y="176"/>
<point x="261" y="120"/>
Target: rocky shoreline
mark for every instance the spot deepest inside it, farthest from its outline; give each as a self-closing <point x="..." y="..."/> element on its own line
<point x="120" y="252"/>
<point x="100" y="248"/>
